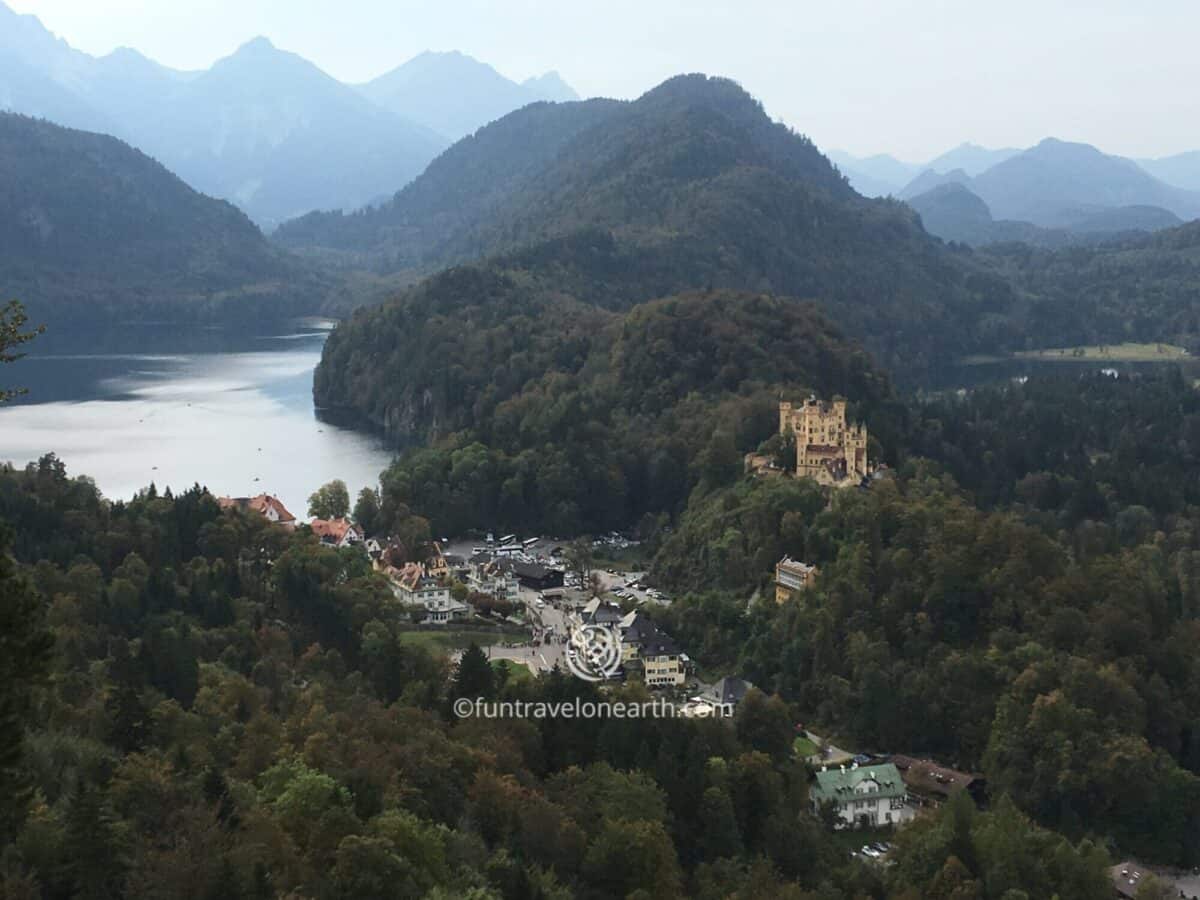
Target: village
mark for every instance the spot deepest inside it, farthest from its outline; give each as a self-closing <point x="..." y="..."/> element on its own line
<point x="529" y="594"/>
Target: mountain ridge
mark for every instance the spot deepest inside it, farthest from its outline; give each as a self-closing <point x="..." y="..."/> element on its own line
<point x="91" y="228"/>
<point x="262" y="127"/>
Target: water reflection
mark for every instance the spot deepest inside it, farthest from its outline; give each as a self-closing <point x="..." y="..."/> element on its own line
<point x="228" y="409"/>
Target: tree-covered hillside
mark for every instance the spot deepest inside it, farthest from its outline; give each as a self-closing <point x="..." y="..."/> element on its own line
<point x="200" y="704"/>
<point x="1144" y="288"/>
<point x="542" y="412"/>
<point x="90" y="227"/>
<point x="689" y="187"/>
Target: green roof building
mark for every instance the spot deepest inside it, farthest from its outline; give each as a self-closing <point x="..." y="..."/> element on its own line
<point x="864" y="796"/>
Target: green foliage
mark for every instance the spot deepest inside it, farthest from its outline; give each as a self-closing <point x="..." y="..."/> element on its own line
<point x="298" y="744"/>
<point x="1054" y="663"/>
<point x="581" y="420"/>
<point x="690" y="187"/>
<point x="1143" y="288"/>
<point x="91" y="228"/>
<point x="25" y="645"/>
<point x="367" y="512"/>
<point x="12" y="336"/>
<point x="330" y="501"/>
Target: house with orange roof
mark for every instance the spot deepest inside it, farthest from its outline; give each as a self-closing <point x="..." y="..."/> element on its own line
<point x="415" y="586"/>
<point x="337" y="532"/>
<point x="265" y="505"/>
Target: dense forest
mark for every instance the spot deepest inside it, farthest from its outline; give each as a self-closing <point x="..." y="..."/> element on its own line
<point x="690" y="187"/>
<point x="216" y="707"/>
<point x="1026" y="605"/>
<point x="1144" y="288"/>
<point x="546" y="414"/>
<point x="198" y="703"/>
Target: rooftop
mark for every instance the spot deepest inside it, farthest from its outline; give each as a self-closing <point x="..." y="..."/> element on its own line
<point x="844" y="783"/>
<point x="929" y="777"/>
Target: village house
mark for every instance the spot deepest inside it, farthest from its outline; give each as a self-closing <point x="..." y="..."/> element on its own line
<point x="264" y="504"/>
<point x="930" y="784"/>
<point x="726" y="692"/>
<point x="828" y="449"/>
<point x="535" y="576"/>
<point x="792" y="577"/>
<point x="862" y="796"/>
<point x="416" y="588"/>
<point x="336" y="532"/>
<point x="647" y="648"/>
<point x="489" y="576"/>
<point x="600" y="612"/>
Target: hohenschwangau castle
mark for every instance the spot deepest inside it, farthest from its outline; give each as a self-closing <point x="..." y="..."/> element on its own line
<point x="827" y="449"/>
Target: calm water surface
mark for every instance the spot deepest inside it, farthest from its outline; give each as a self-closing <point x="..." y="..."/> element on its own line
<point x="228" y="409"/>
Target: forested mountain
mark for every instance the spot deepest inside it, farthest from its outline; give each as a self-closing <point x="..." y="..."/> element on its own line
<point x="456" y="195"/>
<point x="543" y="412"/>
<point x="453" y="94"/>
<point x="1140" y="288"/>
<point x="627" y="166"/>
<point x="691" y="186"/>
<point x="91" y="228"/>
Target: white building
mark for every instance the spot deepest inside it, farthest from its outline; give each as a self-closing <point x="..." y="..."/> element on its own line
<point x="415" y="588"/>
<point x="870" y="796"/>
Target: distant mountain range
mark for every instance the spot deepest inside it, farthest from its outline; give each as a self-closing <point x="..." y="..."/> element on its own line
<point x="263" y="128"/>
<point x="883" y="175"/>
<point x="417" y="91"/>
<point x="1092" y="178"/>
<point x="1053" y="194"/>
<point x="92" y="229"/>
<point x="953" y="212"/>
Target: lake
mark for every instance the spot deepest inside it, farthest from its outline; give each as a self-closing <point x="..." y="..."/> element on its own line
<point x="229" y="409"/>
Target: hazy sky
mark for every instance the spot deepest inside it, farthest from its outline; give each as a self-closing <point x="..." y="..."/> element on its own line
<point x="910" y="78"/>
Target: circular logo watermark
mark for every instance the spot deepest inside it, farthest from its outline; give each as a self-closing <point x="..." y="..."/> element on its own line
<point x="594" y="652"/>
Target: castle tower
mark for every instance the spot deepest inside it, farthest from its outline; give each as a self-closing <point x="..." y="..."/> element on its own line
<point x="828" y="450"/>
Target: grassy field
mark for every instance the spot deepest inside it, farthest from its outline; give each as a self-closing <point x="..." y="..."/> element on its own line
<point x="517" y="672"/>
<point x="1111" y="352"/>
<point x="1097" y="353"/>
<point x="803" y="748"/>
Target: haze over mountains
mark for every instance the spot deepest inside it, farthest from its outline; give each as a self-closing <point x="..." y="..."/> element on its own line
<point x="417" y="91"/>
<point x="1054" y="193"/>
<point x="690" y="187"/>
<point x="1051" y="194"/>
<point x="263" y="128"/>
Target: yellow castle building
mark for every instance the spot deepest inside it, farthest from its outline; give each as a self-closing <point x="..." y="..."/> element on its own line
<point x="828" y="450"/>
